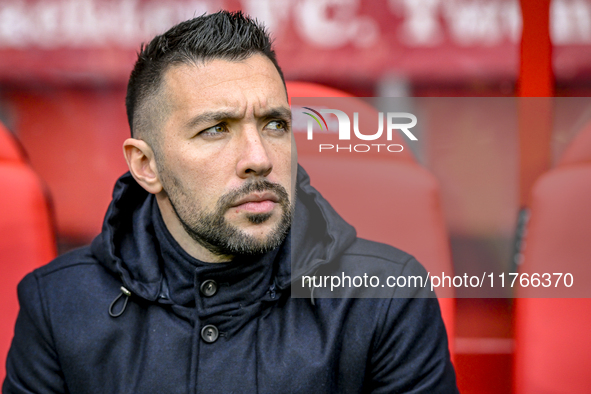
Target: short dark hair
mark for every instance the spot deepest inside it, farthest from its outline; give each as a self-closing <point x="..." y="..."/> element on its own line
<point x="224" y="35"/>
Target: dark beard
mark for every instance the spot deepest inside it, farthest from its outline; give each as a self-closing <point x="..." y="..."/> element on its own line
<point x="213" y="232"/>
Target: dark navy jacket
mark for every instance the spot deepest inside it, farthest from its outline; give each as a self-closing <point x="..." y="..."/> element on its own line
<point x="66" y="341"/>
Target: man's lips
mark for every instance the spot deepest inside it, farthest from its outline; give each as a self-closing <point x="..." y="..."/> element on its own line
<point x="257" y="202"/>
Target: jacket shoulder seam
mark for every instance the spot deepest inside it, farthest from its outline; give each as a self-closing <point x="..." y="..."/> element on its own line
<point x="377" y="256"/>
<point x="45" y="310"/>
<point x="385" y="306"/>
<point x="47" y="270"/>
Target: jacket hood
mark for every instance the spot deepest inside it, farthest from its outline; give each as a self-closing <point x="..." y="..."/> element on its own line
<point x="128" y="247"/>
<point x="319" y="235"/>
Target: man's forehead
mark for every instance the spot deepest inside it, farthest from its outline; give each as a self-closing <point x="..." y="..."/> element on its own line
<point x="253" y="81"/>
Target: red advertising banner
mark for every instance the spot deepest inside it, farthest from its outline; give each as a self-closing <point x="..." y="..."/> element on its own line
<point x="431" y="40"/>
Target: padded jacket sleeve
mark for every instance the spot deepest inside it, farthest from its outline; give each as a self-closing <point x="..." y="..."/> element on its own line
<point x="411" y="352"/>
<point x="32" y="365"/>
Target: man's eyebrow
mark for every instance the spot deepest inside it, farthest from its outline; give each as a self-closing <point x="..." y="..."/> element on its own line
<point x="218" y="116"/>
<point x="212" y="117"/>
<point x="278" y="112"/>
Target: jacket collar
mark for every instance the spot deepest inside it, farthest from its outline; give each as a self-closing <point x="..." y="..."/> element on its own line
<point x="131" y="244"/>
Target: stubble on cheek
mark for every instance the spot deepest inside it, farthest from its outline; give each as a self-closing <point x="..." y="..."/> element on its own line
<point x="213" y="231"/>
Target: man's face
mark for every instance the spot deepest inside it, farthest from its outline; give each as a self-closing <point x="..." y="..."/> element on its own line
<point x="225" y="157"/>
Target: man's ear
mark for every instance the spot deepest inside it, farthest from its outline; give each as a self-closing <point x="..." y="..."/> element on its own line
<point x="142" y="164"/>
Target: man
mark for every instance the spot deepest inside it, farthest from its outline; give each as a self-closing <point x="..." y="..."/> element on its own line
<point x="187" y="288"/>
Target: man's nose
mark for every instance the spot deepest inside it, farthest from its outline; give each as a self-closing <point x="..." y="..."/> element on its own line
<point x="254" y="154"/>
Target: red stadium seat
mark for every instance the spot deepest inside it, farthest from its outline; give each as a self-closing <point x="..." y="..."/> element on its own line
<point x="26" y="232"/>
<point x="389" y="198"/>
<point x="552" y="336"/>
<point x="9" y="150"/>
<point x="73" y="138"/>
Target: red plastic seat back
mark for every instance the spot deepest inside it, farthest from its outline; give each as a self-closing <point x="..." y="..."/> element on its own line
<point x="26" y="233"/>
<point x="553" y="340"/>
<point x="388" y="198"/>
<point x="73" y="138"/>
<point x="9" y="150"/>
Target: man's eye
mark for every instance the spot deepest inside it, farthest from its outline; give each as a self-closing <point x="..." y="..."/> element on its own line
<point x="215" y="130"/>
<point x="277" y="125"/>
